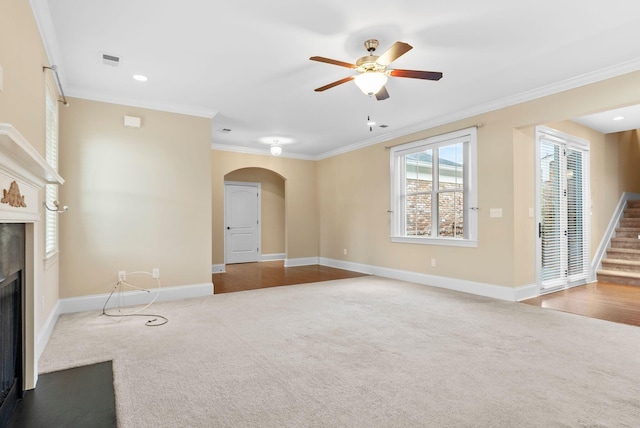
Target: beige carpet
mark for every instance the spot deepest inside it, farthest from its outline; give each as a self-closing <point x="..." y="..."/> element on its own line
<point x="362" y="352"/>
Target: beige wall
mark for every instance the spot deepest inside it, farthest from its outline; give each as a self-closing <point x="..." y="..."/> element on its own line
<point x="22" y="57"/>
<point x="353" y="190"/>
<point x="354" y="199"/>
<point x="271" y="207"/>
<point x="301" y="228"/>
<point x="22" y="104"/>
<point x="629" y="154"/>
<point x="140" y="198"/>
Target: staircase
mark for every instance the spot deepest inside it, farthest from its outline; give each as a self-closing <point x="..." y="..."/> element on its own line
<point x="621" y="265"/>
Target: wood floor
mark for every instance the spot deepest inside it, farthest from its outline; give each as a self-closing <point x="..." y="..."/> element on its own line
<point x="611" y="302"/>
<point x="250" y="276"/>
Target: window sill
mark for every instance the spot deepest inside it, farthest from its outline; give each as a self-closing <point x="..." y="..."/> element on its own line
<point x="450" y="242"/>
<point x="51" y="259"/>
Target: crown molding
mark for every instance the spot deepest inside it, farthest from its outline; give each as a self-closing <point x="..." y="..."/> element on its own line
<point x="42" y="16"/>
<point x="170" y="108"/>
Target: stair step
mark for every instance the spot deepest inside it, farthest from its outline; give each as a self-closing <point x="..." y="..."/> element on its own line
<point x="623" y="254"/>
<point x="633" y="243"/>
<point x="635" y="203"/>
<point x="632" y="212"/>
<point x="621" y="265"/>
<point x="630" y="222"/>
<point x="618" y="277"/>
<point x="628" y="232"/>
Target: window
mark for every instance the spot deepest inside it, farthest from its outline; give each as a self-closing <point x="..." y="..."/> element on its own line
<point x="51" y="192"/>
<point x="433" y="190"/>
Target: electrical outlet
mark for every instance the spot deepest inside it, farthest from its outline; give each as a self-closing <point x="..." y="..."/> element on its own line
<point x="155" y="273"/>
<point x="433" y="262"/>
<point x="345" y="251"/>
<point x="122" y="275"/>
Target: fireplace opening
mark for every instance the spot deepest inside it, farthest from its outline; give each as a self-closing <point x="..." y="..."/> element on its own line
<point x="12" y="263"/>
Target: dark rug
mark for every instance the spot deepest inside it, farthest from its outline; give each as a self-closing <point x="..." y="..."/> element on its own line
<point x="78" y="397"/>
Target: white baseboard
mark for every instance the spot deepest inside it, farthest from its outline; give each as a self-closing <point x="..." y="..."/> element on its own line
<point x="221" y="268"/>
<point x="465" y="286"/>
<point x="45" y="332"/>
<point x="304" y="261"/>
<point x="97" y="301"/>
<point x="526" y="292"/>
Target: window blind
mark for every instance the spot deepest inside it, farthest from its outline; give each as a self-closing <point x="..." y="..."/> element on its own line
<point x="51" y="191"/>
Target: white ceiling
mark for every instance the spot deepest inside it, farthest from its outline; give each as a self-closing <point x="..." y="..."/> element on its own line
<point x="617" y="120"/>
<point x="246" y="63"/>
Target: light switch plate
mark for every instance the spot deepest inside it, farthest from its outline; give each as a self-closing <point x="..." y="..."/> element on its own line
<point x="495" y="212"/>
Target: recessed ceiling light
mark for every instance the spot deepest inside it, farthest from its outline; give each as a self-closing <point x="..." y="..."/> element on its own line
<point x="618" y="118"/>
<point x="140" y="77"/>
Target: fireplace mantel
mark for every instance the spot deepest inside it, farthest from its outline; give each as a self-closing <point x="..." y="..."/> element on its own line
<point x="23" y="174"/>
<point x="15" y="148"/>
<point x="22" y="170"/>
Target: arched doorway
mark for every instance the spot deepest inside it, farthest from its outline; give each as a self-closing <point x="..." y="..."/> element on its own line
<point x="271" y="221"/>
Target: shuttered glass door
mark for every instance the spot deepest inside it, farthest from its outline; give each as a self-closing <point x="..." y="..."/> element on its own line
<point x="563" y="214"/>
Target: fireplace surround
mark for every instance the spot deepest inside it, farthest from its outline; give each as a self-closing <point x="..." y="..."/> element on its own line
<point x="11" y="309"/>
<point x="23" y="175"/>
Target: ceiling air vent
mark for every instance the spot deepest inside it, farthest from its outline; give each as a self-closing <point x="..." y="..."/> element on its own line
<point x="111" y="60"/>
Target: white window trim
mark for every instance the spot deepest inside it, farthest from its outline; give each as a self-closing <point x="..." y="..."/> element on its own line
<point x="51" y="190"/>
<point x="470" y="135"/>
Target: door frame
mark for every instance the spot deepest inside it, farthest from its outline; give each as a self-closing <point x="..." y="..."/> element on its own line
<point x="258" y="187"/>
<point x="576" y="143"/>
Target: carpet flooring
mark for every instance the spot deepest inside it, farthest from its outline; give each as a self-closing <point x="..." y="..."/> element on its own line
<point x="361" y="352"/>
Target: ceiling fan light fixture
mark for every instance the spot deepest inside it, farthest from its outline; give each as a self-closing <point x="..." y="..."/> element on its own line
<point x="371" y="82"/>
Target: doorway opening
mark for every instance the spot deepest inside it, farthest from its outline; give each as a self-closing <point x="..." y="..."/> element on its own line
<point x="254" y="216"/>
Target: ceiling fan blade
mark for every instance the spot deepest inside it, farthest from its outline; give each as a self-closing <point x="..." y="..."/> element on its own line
<point x="336" y="83"/>
<point x="416" y="74"/>
<point x="382" y="94"/>
<point x="394" y="52"/>
<point x="332" y="61"/>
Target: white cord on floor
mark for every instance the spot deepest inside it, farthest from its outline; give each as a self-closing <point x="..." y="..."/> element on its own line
<point x="150" y="323"/>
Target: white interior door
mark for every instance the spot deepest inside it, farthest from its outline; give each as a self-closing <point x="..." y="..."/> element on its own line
<point x="563" y="210"/>
<point x="242" y="222"/>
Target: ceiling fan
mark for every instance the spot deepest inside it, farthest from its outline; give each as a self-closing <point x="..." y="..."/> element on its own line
<point x="373" y="72"/>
